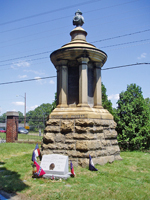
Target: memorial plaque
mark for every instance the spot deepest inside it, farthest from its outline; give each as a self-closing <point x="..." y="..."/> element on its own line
<point x="55" y="164"/>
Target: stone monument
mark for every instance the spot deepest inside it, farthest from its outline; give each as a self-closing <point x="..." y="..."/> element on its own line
<point x="79" y="125"/>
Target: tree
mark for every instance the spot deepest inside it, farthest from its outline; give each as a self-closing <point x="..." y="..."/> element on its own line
<point x="132" y="119"/>
<point x="105" y="102"/>
<point x="36" y="118"/>
<point x="54" y="104"/>
<point x="21" y="117"/>
<point x="147" y="101"/>
<point x="3" y="118"/>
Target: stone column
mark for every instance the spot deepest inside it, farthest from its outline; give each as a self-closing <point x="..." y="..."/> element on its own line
<point x="62" y="78"/>
<point x="12" y="126"/>
<point x="83" y="82"/>
<point x="97" y="86"/>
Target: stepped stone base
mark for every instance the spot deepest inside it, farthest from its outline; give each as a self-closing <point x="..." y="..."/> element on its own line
<point x="78" y="138"/>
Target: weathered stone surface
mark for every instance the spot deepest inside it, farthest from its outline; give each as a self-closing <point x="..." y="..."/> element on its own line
<point x="112" y="150"/>
<point x="83" y="162"/>
<point x="84" y="122"/>
<point x="59" y="146"/>
<point x="78" y="138"/>
<point x="67" y="141"/>
<point x="84" y="136"/>
<point x="103" y="160"/>
<point x="74" y="161"/>
<point x="59" y="137"/>
<point x="96" y="129"/>
<point x="101" y="153"/>
<point x="100" y="136"/>
<point x="53" y="122"/>
<point x="110" y="133"/>
<point x="113" y="124"/>
<point x="52" y="129"/>
<point x="72" y="153"/>
<point x="46" y="152"/>
<point x="118" y="157"/>
<point x="105" y="123"/>
<point x="58" y="151"/>
<point x="69" y="136"/>
<point x="49" y="138"/>
<point x="108" y="142"/>
<point x="80" y="129"/>
<point x="97" y="122"/>
<point x="114" y="142"/>
<point x="67" y="126"/>
<point x="103" y="142"/>
<point x="79" y="154"/>
<point x="86" y="145"/>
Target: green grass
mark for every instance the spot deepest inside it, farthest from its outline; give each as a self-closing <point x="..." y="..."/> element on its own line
<point x="3" y="136"/>
<point x="126" y="179"/>
<point x="29" y="137"/>
<point x="26" y="137"/>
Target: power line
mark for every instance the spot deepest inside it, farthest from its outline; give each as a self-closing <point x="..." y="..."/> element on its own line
<point x="56" y="76"/>
<point x="119" y="36"/>
<point x="36" y="54"/>
<point x="126" y="66"/>
<point x="51" y="11"/>
<point x="22" y="57"/>
<point x="125" y="43"/>
<point x="33" y="79"/>
<point x="31" y="25"/>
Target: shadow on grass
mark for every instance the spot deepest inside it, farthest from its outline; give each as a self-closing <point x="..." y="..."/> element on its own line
<point x="10" y="181"/>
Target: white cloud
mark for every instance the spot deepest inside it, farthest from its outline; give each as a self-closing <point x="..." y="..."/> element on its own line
<point x="20" y="64"/>
<point x="52" y="82"/>
<point x="34" y="72"/>
<point x="113" y="96"/>
<point x="18" y="103"/>
<point x="33" y="107"/>
<point x="39" y="80"/>
<point x="143" y="55"/>
<point x="23" y="76"/>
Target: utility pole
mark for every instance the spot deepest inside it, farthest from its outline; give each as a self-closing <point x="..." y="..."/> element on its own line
<point x="25" y="110"/>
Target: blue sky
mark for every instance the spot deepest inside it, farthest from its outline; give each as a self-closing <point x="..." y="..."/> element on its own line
<point x="30" y="30"/>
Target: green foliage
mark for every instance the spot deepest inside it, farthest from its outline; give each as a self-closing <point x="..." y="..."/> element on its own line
<point x="105" y="102"/>
<point x="132" y="119"/>
<point x="54" y="104"/>
<point x="36" y="118"/>
<point x="2" y="118"/>
<point x="147" y="101"/>
<point x="21" y="117"/>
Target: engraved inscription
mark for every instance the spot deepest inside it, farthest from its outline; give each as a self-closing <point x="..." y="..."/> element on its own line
<point x="68" y="116"/>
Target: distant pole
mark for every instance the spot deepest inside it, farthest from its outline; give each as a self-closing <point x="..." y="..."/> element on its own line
<point x="24" y="110"/>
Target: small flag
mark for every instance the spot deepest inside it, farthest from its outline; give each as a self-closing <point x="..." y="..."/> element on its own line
<point x="33" y="156"/>
<point x="91" y="165"/>
<point x="36" y="153"/>
<point x="40" y="171"/>
<point x="72" y="169"/>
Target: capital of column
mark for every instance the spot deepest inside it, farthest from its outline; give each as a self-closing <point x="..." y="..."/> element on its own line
<point x="98" y="65"/>
<point x="83" y="60"/>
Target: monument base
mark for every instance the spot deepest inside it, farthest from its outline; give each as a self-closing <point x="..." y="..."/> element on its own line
<point x="78" y="132"/>
<point x="50" y="176"/>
